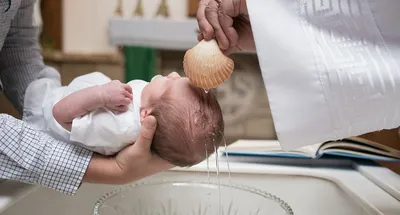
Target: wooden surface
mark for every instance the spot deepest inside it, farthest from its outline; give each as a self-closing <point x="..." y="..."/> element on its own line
<point x="51" y="36"/>
<point x="60" y="57"/>
<point x="6" y="107"/>
<point x="192" y="7"/>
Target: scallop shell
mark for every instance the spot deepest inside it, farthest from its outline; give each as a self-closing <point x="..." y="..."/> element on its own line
<point x="206" y="66"/>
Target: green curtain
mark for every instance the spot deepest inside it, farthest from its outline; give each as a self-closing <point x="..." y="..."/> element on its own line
<point x="140" y="63"/>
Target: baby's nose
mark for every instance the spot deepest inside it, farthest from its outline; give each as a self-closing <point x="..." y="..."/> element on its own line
<point x="174" y="75"/>
<point x="155" y="77"/>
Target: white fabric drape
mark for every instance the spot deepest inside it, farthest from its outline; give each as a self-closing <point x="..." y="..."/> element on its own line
<point x="331" y="67"/>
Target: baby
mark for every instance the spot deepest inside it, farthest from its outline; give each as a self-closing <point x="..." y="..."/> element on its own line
<point x="105" y="116"/>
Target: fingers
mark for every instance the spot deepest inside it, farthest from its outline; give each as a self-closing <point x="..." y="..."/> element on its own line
<point x="229" y="30"/>
<point x="127" y="101"/>
<point x="145" y="137"/>
<point x="205" y="27"/>
<point x="128" y="88"/>
<point x="212" y="16"/>
<point x="200" y="37"/>
<point x="128" y="95"/>
<point x="128" y="91"/>
<point x="123" y="101"/>
<point x="121" y="108"/>
<point x="226" y="21"/>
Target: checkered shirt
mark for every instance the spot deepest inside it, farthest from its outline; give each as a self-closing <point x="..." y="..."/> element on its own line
<point x="27" y="155"/>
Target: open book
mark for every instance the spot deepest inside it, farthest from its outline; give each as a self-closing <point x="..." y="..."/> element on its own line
<point x="354" y="147"/>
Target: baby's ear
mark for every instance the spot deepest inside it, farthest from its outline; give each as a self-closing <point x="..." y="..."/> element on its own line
<point x="144" y="112"/>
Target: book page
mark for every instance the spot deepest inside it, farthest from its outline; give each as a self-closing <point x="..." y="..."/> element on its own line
<point x="358" y="154"/>
<point x="268" y="147"/>
<point x="356" y="148"/>
<point x="358" y="140"/>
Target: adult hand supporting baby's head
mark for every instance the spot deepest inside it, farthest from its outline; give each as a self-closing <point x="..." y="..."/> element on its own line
<point x="132" y="163"/>
<point x="137" y="161"/>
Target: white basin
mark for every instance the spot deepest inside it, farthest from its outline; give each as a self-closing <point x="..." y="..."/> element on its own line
<point x="307" y="191"/>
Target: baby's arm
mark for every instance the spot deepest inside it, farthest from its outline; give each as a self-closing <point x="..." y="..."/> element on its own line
<point x="113" y="95"/>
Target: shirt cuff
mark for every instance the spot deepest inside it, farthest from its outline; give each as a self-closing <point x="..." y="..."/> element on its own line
<point x="78" y="129"/>
<point x="65" y="167"/>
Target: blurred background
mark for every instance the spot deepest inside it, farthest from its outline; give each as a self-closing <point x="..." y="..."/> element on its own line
<point x="136" y="39"/>
<point x="75" y="40"/>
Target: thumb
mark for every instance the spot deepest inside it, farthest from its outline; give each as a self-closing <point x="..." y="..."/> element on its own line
<point x="145" y="137"/>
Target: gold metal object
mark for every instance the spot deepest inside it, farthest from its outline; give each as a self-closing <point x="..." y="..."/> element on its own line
<point x="138" y="9"/>
<point x="163" y="9"/>
<point x="118" y="9"/>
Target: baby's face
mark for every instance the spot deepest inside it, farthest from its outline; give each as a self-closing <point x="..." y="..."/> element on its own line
<point x="178" y="86"/>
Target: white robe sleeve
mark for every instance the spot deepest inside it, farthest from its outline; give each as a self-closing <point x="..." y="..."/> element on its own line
<point x="105" y="131"/>
<point x="102" y="130"/>
<point x="330" y="67"/>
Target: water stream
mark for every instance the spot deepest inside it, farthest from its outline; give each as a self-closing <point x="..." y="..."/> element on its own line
<point x="219" y="180"/>
<point x="217" y="163"/>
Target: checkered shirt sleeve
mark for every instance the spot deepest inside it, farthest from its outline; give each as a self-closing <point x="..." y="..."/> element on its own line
<point x="33" y="157"/>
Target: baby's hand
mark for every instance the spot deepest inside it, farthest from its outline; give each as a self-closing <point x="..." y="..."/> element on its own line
<point x="116" y="95"/>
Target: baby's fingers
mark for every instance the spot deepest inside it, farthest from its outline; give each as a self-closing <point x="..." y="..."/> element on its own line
<point x="125" y="101"/>
<point x="128" y="88"/>
<point x="128" y="95"/>
<point x="121" y="108"/>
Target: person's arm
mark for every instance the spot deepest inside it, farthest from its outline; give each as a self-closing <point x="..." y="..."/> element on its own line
<point x="113" y="95"/>
<point x="20" y="58"/>
<point x="27" y="155"/>
<point x="31" y="156"/>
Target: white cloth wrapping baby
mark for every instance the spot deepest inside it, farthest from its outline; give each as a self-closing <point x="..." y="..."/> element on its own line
<point x="102" y="131"/>
<point x="330" y="67"/>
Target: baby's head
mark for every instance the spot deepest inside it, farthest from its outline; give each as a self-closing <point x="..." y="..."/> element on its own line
<point x="189" y="120"/>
